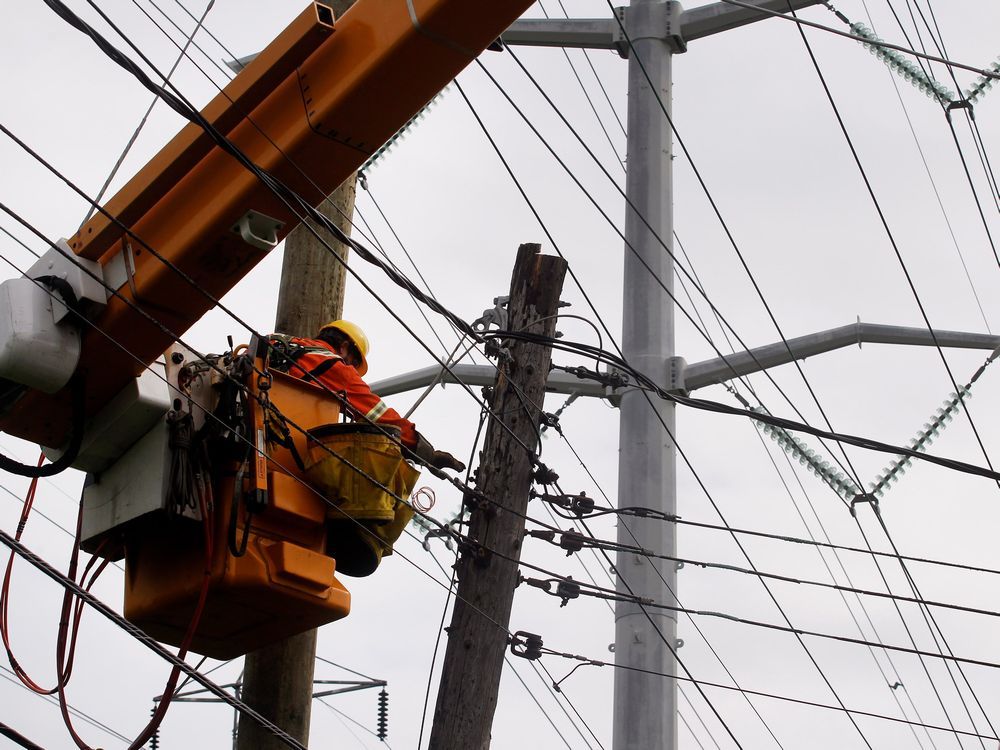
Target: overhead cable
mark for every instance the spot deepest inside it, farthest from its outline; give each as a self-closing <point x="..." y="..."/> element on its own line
<point x="988" y="73"/>
<point x="38" y="563"/>
<point x="784" y="698"/>
<point x="926" y="614"/>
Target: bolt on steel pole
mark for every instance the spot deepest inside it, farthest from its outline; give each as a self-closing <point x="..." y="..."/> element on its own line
<point x="645" y="713"/>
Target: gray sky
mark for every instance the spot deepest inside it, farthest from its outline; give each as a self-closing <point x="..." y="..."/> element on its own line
<point x="751" y="110"/>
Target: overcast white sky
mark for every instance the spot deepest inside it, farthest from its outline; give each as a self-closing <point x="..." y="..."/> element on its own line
<point x="750" y="108"/>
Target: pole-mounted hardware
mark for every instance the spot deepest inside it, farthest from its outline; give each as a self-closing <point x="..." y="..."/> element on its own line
<point x="526" y="645"/>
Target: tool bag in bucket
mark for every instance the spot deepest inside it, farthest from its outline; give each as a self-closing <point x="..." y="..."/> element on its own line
<point x="341" y="462"/>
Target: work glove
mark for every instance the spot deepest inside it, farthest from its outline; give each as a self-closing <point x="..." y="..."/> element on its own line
<point x="438" y="459"/>
<point x="444" y="460"/>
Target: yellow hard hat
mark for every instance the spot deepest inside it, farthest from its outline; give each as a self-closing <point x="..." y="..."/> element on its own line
<point x="356" y="335"/>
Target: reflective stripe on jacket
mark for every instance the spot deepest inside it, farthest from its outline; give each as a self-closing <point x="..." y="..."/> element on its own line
<point x="326" y="366"/>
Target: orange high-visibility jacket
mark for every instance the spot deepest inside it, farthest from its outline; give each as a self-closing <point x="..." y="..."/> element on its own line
<point x="323" y="364"/>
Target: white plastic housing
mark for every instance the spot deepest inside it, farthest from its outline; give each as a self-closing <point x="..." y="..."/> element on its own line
<point x="34" y="350"/>
<point x="137" y="409"/>
<point x="84" y="276"/>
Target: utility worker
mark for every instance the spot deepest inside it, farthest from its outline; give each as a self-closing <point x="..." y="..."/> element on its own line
<point x="337" y="359"/>
<point x="365" y="518"/>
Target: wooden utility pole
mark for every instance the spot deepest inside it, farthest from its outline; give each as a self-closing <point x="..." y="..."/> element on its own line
<point x="311" y="292"/>
<point x="278" y="679"/>
<point x="477" y="638"/>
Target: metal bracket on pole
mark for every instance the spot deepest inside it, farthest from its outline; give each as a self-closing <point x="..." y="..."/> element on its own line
<point x="661" y="20"/>
<point x="682" y="377"/>
<point x="675" y="375"/>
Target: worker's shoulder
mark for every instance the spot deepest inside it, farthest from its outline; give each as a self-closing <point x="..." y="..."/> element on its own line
<point x="298" y="349"/>
<point x="316" y="344"/>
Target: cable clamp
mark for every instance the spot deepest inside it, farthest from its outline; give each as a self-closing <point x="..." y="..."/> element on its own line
<point x="445" y="532"/>
<point x="580" y="504"/>
<point x="548" y="420"/>
<point x="495" y="350"/>
<point x="613" y="379"/>
<point x="571" y="541"/>
<point x="526" y="645"/>
<point x="543" y="475"/>
<point x="865" y="497"/>
<point x="959" y="104"/>
<point x="567" y="590"/>
<point x="497" y="316"/>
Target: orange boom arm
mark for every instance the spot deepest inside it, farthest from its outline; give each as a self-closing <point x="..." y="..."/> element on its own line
<point x="310" y="109"/>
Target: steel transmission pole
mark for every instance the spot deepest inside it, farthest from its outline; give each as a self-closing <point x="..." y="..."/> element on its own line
<point x="648" y="33"/>
<point x="646" y="704"/>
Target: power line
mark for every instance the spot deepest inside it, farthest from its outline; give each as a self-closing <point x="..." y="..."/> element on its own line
<point x="802" y="22"/>
<point x="604" y="326"/>
<point x="355" y="468"/>
<point x="418" y="566"/>
<point x="937" y="194"/>
<point x="826" y="545"/>
<point x="586" y="94"/>
<point x="642" y="218"/>
<point x="521" y="189"/>
<point x="923" y="313"/>
<point x="185" y="109"/>
<point x="18" y="738"/>
<point x="784" y="698"/>
<point x="75" y="711"/>
<point x="86" y="597"/>
<point x="840" y="562"/>
<point x="877" y="636"/>
<point x="145" y="117"/>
